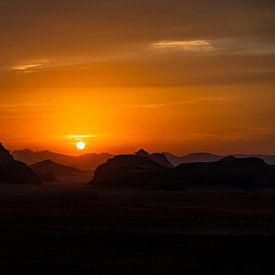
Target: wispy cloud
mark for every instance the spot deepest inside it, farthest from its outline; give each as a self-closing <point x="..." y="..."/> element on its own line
<point x="183" y="102"/>
<point x="30" y="104"/>
<point x="83" y="62"/>
<point x="30" y="65"/>
<point x="25" y="67"/>
<point x="134" y="52"/>
<point x="80" y="137"/>
<point x="184" y="45"/>
<point x="148" y="51"/>
<point x="19" y="107"/>
<point x="33" y="116"/>
<point x="220" y="46"/>
<point x="30" y="110"/>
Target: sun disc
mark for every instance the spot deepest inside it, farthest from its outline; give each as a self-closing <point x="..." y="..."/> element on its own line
<point x="80" y="145"/>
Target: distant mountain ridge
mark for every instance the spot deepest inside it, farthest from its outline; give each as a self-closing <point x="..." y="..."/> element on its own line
<point x="209" y="157"/>
<point x="193" y="157"/>
<point x="58" y="170"/>
<point x="91" y="161"/>
<point x="83" y="162"/>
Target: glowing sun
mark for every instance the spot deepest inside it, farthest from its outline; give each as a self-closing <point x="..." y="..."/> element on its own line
<point x="80" y="145"/>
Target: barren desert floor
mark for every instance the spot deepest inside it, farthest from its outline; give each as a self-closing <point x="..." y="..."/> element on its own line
<point x="77" y="229"/>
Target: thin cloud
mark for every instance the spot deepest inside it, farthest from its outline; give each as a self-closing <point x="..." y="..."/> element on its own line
<point x="30" y="107"/>
<point x="149" y="50"/>
<point x="189" y="45"/>
<point x="80" y="137"/>
<point x="219" y="46"/>
<point x="30" y="65"/>
<point x="26" y="67"/>
<point x="29" y="110"/>
<point x="33" y="116"/>
<point x="184" y="102"/>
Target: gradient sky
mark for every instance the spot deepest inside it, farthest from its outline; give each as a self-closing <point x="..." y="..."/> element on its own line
<point x="175" y="75"/>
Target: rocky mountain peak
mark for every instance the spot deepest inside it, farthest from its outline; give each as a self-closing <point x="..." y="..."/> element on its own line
<point x="5" y="155"/>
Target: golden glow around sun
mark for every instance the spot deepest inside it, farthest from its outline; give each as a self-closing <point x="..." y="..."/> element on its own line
<point x="80" y="145"/>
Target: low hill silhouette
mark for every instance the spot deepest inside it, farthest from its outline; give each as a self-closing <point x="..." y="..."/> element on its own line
<point x="15" y="172"/>
<point x="58" y="170"/>
<point x="83" y="162"/>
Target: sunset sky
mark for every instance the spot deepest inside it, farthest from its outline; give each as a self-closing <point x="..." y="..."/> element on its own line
<point x="178" y="76"/>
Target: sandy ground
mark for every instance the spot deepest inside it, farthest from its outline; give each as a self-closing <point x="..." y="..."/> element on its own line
<point x="78" y="229"/>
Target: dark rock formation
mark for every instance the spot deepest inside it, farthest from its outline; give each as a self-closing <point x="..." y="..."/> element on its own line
<point x="161" y="159"/>
<point x="156" y="157"/>
<point x="142" y="153"/>
<point x="5" y="155"/>
<point x="128" y="171"/>
<point x="228" y="172"/>
<point x="12" y="171"/>
<point x="131" y="171"/>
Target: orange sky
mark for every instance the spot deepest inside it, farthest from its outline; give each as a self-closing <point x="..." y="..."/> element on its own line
<point x="124" y="76"/>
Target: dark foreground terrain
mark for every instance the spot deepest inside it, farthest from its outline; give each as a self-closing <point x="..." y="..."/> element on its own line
<point x="78" y="229"/>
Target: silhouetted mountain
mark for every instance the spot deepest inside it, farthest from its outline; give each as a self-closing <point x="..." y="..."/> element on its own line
<point x="209" y="157"/>
<point x="190" y="158"/>
<point x="47" y="166"/>
<point x="131" y="171"/>
<point x="84" y="162"/>
<point x="156" y="157"/>
<point x="127" y="171"/>
<point x="161" y="159"/>
<point x="142" y="153"/>
<point x="270" y="159"/>
<point x="5" y="155"/>
<point x="228" y="172"/>
<point x="12" y="171"/>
